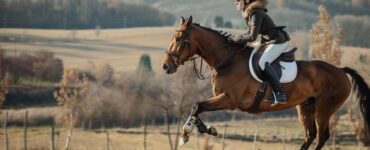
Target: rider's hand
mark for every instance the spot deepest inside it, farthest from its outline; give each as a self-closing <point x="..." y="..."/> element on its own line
<point x="236" y="39"/>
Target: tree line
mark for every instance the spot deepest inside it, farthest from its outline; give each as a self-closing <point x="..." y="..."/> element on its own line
<point x="79" y="14"/>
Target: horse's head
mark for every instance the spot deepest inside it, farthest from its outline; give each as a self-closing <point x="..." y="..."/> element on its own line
<point x="181" y="47"/>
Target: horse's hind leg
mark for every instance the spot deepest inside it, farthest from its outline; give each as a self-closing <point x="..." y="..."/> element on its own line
<point x="306" y="115"/>
<point x="325" y="108"/>
<point x="323" y="131"/>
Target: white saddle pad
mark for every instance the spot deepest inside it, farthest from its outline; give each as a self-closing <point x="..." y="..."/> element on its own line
<point x="289" y="70"/>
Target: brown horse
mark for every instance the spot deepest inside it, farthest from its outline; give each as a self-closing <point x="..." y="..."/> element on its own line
<point x="317" y="92"/>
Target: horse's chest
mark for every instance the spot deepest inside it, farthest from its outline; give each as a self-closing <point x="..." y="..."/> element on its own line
<point x="219" y="87"/>
<point x="216" y="90"/>
<point x="232" y="82"/>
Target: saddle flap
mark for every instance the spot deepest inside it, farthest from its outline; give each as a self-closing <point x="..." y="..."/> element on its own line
<point x="284" y="65"/>
<point x="288" y="55"/>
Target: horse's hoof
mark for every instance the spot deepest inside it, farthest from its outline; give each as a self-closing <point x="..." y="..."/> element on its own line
<point x="183" y="140"/>
<point x="212" y="130"/>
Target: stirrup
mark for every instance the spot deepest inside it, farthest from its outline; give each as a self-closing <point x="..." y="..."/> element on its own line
<point x="270" y="100"/>
<point x="273" y="100"/>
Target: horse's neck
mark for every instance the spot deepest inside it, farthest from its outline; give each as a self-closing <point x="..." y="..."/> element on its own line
<point x="213" y="49"/>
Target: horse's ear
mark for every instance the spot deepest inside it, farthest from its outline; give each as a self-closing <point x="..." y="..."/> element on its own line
<point x="190" y="20"/>
<point x="182" y="20"/>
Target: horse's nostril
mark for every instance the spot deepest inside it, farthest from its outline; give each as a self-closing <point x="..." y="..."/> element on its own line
<point x="165" y="67"/>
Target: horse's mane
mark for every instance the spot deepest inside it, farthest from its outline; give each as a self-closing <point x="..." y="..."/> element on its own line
<point x="220" y="33"/>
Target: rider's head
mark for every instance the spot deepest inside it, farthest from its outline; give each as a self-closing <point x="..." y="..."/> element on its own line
<point x="242" y="4"/>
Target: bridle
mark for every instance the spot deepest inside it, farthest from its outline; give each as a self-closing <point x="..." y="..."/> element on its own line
<point x="186" y="43"/>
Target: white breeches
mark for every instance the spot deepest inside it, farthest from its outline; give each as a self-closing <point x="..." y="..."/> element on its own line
<point x="272" y="52"/>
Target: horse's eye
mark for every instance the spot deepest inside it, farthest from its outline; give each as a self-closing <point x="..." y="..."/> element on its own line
<point x="177" y="39"/>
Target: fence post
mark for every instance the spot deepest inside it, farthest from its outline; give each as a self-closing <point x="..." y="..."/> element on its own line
<point x="69" y="135"/>
<point x="90" y="124"/>
<point x="52" y="140"/>
<point x="153" y="122"/>
<point x="223" y="137"/>
<point x="284" y="138"/>
<point x="83" y="124"/>
<point x="25" y="129"/>
<point x="144" y="132"/>
<point x="6" y="143"/>
<point x="255" y="139"/>
<point x="107" y="133"/>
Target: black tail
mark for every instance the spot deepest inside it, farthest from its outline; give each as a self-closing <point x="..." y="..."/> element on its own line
<point x="363" y="93"/>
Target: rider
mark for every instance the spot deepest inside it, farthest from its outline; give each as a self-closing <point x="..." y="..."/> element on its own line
<point x="259" y="23"/>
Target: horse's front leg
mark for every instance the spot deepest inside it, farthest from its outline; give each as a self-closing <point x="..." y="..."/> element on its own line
<point x="220" y="102"/>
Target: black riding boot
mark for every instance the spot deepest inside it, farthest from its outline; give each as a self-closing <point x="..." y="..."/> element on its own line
<point x="272" y="78"/>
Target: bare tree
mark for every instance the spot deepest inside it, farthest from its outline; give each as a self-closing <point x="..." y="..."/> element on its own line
<point x="183" y="92"/>
<point x="324" y="45"/>
<point x="69" y="97"/>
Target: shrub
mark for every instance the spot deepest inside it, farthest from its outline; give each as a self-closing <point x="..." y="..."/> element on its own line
<point x="41" y="65"/>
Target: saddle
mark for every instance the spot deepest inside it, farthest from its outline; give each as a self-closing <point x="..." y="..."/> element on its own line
<point x="285" y="65"/>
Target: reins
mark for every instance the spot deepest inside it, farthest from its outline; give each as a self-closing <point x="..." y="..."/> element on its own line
<point x="218" y="66"/>
<point x="200" y="73"/>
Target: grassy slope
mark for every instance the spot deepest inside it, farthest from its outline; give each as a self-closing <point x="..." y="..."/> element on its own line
<point x="119" y="47"/>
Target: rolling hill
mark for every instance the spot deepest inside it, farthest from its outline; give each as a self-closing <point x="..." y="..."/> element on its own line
<point x="121" y="48"/>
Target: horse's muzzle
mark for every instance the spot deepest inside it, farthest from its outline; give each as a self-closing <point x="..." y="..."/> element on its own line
<point x="169" y="68"/>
